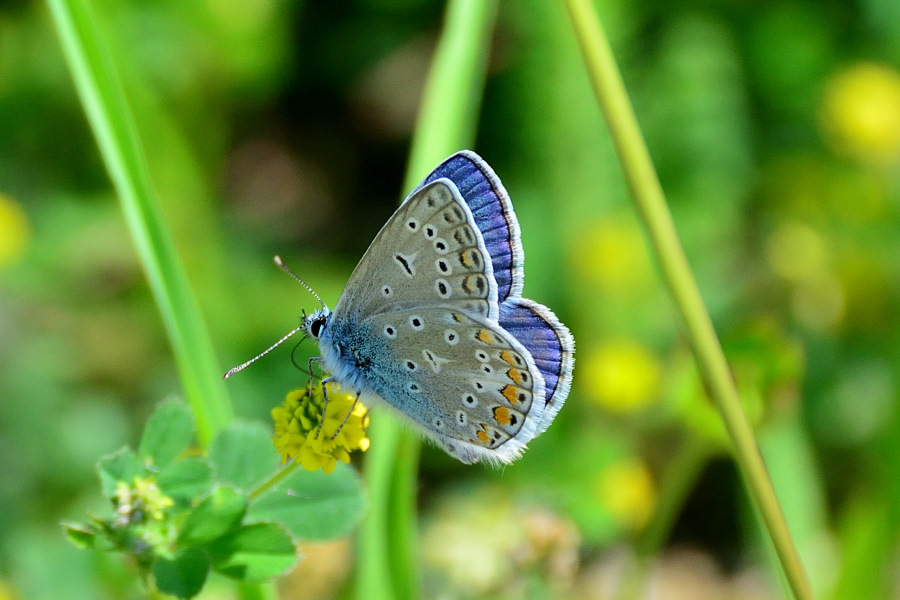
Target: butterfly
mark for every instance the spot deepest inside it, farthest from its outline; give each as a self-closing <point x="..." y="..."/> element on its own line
<point x="432" y="321"/>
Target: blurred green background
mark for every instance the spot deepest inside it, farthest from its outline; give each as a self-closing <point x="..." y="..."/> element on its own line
<point x="284" y="127"/>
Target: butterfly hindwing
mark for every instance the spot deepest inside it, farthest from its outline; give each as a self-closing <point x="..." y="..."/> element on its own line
<point x="429" y="252"/>
<point x="489" y="202"/>
<point x="464" y="380"/>
<point x="550" y="345"/>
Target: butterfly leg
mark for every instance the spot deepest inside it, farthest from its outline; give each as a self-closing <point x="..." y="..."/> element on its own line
<point x="314" y="360"/>
<point x="325" y="408"/>
<point x="347" y="416"/>
<point x="309" y="366"/>
<point x="324" y="405"/>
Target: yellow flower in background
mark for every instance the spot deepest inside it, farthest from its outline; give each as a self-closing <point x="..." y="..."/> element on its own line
<point x="481" y="543"/>
<point x="297" y="433"/>
<point x="819" y="302"/>
<point x="14" y="231"/>
<point x="860" y="112"/>
<point x="622" y="376"/>
<point x="7" y="591"/>
<point x="801" y="255"/>
<point x="626" y="490"/>
<point x="612" y="254"/>
<point x="795" y="251"/>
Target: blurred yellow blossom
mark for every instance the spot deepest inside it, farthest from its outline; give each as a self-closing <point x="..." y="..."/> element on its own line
<point x="800" y="255"/>
<point x="626" y="490"/>
<point x="861" y="112"/>
<point x="480" y="543"/>
<point x="612" y="254"/>
<point x="621" y="375"/>
<point x="297" y="432"/>
<point x="796" y="251"/>
<point x="14" y="231"/>
<point x="819" y="302"/>
<point x="7" y="591"/>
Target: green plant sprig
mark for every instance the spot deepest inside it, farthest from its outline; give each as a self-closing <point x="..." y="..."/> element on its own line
<point x="650" y="201"/>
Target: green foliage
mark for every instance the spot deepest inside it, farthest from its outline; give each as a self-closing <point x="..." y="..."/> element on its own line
<point x="200" y="514"/>
<point x="169" y="432"/>
<point x="285" y="127"/>
<point x="253" y="553"/>
<point x="242" y="455"/>
<point x="218" y="513"/>
<point x="311" y="505"/>
<point x="184" y="574"/>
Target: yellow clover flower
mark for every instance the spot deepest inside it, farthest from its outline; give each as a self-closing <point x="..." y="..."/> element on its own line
<point x="297" y="433"/>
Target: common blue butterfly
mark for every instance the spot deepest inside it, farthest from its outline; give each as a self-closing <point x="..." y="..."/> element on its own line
<point x="432" y="321"/>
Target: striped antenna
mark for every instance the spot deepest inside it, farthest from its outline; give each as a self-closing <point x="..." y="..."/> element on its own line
<point x="287" y="270"/>
<point x="260" y="355"/>
<point x="284" y="268"/>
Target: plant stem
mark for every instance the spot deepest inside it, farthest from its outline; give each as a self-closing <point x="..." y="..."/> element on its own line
<point x="650" y="200"/>
<point x="447" y="118"/>
<point x="113" y="125"/>
<point x="111" y="120"/>
<point x="274" y="480"/>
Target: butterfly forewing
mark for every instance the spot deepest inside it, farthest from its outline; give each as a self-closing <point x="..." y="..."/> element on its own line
<point x="489" y="202"/>
<point x="430" y="252"/>
<point x="460" y="377"/>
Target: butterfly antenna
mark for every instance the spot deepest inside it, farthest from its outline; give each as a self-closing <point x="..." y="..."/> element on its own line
<point x="261" y="354"/>
<point x="287" y="270"/>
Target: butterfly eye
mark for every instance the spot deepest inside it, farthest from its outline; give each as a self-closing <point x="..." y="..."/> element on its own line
<point x="315" y="329"/>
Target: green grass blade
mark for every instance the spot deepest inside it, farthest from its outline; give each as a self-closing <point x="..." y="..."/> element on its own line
<point x="113" y="126"/>
<point x="650" y="200"/>
<point x="388" y="557"/>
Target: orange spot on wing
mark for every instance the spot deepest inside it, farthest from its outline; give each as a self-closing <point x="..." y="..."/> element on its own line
<point x="485" y="336"/>
<point x="507" y="357"/>
<point x="484" y="437"/>
<point x="501" y="415"/>
<point x="510" y="393"/>
<point x="515" y="375"/>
